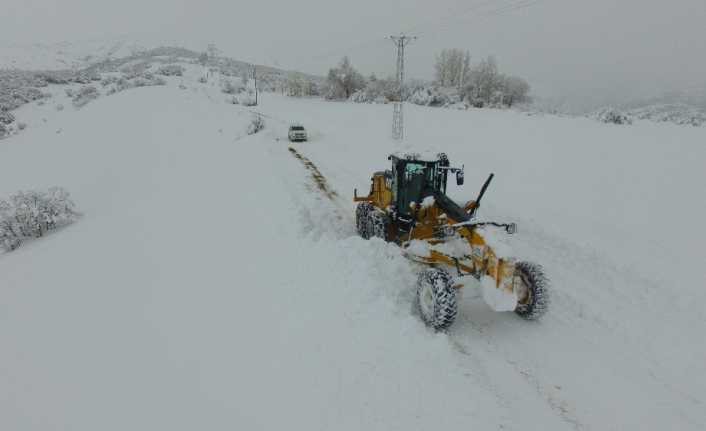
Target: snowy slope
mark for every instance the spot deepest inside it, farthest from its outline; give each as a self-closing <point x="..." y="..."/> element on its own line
<point x="64" y="55"/>
<point x="211" y="285"/>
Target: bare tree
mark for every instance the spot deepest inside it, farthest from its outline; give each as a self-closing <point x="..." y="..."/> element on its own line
<point x="296" y="85"/>
<point x="452" y="67"/>
<point x="212" y="50"/>
<point x="203" y="58"/>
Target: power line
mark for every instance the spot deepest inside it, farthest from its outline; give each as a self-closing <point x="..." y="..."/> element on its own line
<point x="464" y="11"/>
<point x="440" y="25"/>
<point x="337" y="51"/>
<point x="479" y="17"/>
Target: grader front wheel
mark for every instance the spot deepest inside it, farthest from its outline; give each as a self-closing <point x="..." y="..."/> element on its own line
<point x="436" y="299"/>
<point x="531" y="287"/>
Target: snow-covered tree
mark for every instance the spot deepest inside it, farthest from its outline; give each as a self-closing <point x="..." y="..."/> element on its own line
<point x="486" y="86"/>
<point x="343" y="81"/>
<point x="484" y="82"/>
<point x="297" y="85"/>
<point x="377" y="91"/>
<point x="515" y="90"/>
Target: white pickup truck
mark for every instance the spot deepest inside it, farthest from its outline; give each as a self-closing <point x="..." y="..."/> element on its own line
<point x="297" y="133"/>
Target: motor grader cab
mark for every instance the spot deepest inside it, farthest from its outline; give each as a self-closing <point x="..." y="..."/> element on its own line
<point x="408" y="205"/>
<point x="415" y="180"/>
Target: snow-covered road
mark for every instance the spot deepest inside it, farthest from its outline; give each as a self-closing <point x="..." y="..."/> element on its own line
<point x="211" y="285"/>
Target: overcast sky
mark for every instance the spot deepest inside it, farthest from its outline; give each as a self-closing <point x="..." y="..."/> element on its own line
<point x="573" y="48"/>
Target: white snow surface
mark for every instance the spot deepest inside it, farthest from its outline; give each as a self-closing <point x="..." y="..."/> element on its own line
<point x="210" y="285"/>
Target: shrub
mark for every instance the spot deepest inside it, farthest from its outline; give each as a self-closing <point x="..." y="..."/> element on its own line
<point x="32" y="214"/>
<point x="433" y="96"/>
<point x="84" y="95"/>
<point x="144" y="80"/>
<point x="247" y="100"/>
<point x="6" y="117"/>
<point x="228" y="87"/>
<point x="256" y="124"/>
<point x="171" y="70"/>
<point x="108" y="80"/>
<point x="676" y="113"/>
<point x="612" y="116"/>
<point x="132" y="70"/>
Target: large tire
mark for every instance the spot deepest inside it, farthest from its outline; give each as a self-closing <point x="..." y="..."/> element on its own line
<point x="436" y="300"/>
<point x="378" y="225"/>
<point x="362" y="215"/>
<point x="533" y="297"/>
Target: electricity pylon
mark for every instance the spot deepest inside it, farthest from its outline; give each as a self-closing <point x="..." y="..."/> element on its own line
<point x="398" y="118"/>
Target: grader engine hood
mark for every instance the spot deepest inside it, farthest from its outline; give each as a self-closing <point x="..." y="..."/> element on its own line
<point x="451" y="208"/>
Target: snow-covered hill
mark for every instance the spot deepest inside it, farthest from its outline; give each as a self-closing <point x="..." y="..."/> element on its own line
<point x="114" y="67"/>
<point x="210" y="284"/>
<point x="65" y="55"/>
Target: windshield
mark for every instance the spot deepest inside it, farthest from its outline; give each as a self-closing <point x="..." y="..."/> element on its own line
<point x="296" y="128"/>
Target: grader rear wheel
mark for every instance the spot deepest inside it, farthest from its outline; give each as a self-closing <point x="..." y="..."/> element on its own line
<point x="378" y="224"/>
<point x="362" y="215"/>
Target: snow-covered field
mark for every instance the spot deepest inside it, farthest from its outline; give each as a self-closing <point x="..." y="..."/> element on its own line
<point x="211" y="285"/>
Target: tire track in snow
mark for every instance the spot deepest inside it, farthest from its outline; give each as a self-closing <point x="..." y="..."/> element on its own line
<point x="329" y="214"/>
<point x="316" y="175"/>
<point x="459" y="339"/>
<point x="558" y="405"/>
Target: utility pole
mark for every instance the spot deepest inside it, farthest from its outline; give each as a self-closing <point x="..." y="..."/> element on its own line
<point x="397" y="119"/>
<point x="254" y="77"/>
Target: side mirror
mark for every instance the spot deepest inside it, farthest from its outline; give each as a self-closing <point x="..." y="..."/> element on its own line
<point x="459" y="178"/>
<point x="511" y="228"/>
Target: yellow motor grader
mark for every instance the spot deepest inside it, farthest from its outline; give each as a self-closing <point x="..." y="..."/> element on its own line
<point x="408" y="205"/>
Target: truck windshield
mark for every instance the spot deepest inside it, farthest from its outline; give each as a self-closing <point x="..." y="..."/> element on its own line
<point x="296" y="128"/>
